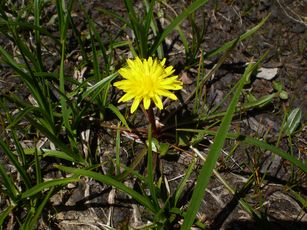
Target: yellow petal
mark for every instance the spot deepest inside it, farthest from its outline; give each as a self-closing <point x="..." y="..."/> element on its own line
<point x="126" y="97"/>
<point x="146" y="102"/>
<point x="130" y="63"/>
<point x="137" y="63"/>
<point x="173" y="86"/>
<point x="158" y="102"/>
<point x="169" y="80"/>
<point x="167" y="93"/>
<point x="163" y="61"/>
<point x="123" y="85"/>
<point x="169" y="70"/>
<point x="135" y="104"/>
<point x="125" y="73"/>
<point x="150" y="62"/>
<point x="172" y="96"/>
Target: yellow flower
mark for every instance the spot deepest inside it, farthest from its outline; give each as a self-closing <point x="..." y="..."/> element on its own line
<point x="147" y="80"/>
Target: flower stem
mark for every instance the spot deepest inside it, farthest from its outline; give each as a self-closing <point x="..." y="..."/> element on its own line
<point x="151" y="119"/>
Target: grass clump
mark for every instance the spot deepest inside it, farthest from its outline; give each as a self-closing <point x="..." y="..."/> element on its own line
<point x="70" y="116"/>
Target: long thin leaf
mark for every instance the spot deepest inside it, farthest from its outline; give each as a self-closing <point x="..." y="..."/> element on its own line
<point x="110" y="181"/>
<point x="129" y="170"/>
<point x="256" y="142"/>
<point x="183" y="182"/>
<point x="21" y="167"/>
<point x="244" y="36"/>
<point x="38" y="169"/>
<point x="138" y="29"/>
<point x="117" y="151"/>
<point x="203" y="80"/>
<point x="37" y="12"/>
<point x="19" y="116"/>
<point x="47" y="185"/>
<point x="55" y="140"/>
<point x="49" y="153"/>
<point x="293" y="121"/>
<point x="29" y="81"/>
<point x="273" y="149"/>
<point x="260" y="103"/>
<point x="154" y="27"/>
<point x="149" y="16"/>
<point x="15" y="162"/>
<point x="215" y="149"/>
<point x="4" y="213"/>
<point x="95" y="90"/>
<point x="150" y="169"/>
<point x="116" y="111"/>
<point x="39" y="209"/>
<point x="66" y="110"/>
<point x="171" y="27"/>
<point x="8" y="183"/>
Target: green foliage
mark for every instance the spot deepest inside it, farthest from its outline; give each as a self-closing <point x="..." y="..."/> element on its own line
<point x="213" y="154"/>
<point x="62" y="108"/>
<point x="293" y="121"/>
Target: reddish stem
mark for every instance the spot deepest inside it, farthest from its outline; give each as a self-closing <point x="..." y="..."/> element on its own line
<point x="151" y="119"/>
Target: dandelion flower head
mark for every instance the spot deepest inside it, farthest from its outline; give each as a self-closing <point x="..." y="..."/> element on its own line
<point x="147" y="80"/>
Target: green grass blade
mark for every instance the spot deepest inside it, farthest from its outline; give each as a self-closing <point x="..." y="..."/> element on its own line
<point x="171" y="27"/>
<point x="4" y="213"/>
<point x="131" y="12"/>
<point x="21" y="167"/>
<point x="183" y="182"/>
<point x="154" y="27"/>
<point x="8" y="183"/>
<point x="77" y="34"/>
<point x="37" y="11"/>
<point x="114" y="15"/>
<point x="129" y="170"/>
<point x="293" y="121"/>
<point x="96" y="89"/>
<point x="38" y="171"/>
<point x="27" y="55"/>
<point x="138" y="30"/>
<point x="274" y="149"/>
<point x="49" y="153"/>
<point x="260" y="103"/>
<point x="213" y="154"/>
<point x="149" y="16"/>
<point x="106" y="56"/>
<point x="28" y="110"/>
<point x="19" y="116"/>
<point x="95" y="37"/>
<point x="15" y="162"/>
<point x="116" y="111"/>
<point x="110" y="181"/>
<point x="244" y="36"/>
<point x="39" y="209"/>
<point x="150" y="169"/>
<point x="29" y="81"/>
<point x="300" y="198"/>
<point x="184" y="41"/>
<point x="6" y="25"/>
<point x="47" y="185"/>
<point x="96" y="70"/>
<point x="256" y="142"/>
<point x="117" y="150"/>
<point x="56" y="141"/>
<point x="66" y="110"/>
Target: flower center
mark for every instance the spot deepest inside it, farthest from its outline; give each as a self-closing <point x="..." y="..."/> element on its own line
<point x="149" y="85"/>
